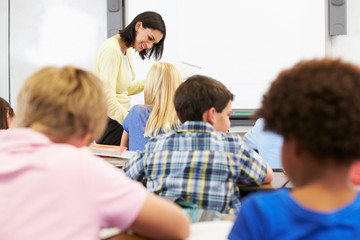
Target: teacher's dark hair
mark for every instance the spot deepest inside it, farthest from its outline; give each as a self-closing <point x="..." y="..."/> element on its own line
<point x="151" y="20"/>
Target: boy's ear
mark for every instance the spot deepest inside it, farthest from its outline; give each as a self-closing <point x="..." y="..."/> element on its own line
<point x="87" y="139"/>
<point x="294" y="147"/>
<point x="299" y="149"/>
<point x="208" y="116"/>
<point x="79" y="141"/>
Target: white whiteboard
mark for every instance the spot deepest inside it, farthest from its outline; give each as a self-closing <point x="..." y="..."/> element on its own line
<point x="53" y="32"/>
<point x="243" y="44"/>
<point x="4" y="67"/>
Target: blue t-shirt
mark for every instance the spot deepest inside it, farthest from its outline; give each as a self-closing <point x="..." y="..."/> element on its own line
<point x="134" y="124"/>
<point x="276" y="215"/>
<point x="267" y="143"/>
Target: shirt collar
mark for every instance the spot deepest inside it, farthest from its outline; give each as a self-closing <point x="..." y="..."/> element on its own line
<point x="198" y="126"/>
<point x="17" y="138"/>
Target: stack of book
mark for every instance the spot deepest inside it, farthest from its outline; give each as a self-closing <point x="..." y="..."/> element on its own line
<point x="116" y="155"/>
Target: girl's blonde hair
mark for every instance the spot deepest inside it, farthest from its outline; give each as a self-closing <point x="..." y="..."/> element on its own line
<point x="159" y="90"/>
<point x="62" y="103"/>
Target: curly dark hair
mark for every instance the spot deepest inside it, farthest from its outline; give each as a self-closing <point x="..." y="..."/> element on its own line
<point x="151" y="20"/>
<point x="318" y="103"/>
<point x="198" y="94"/>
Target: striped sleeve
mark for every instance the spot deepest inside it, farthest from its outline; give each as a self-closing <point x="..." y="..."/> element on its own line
<point x="134" y="167"/>
<point x="253" y="168"/>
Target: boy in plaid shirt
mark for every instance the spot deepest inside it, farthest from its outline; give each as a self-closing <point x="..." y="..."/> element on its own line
<point x="200" y="161"/>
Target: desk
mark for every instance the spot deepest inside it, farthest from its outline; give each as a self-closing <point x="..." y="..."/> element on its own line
<point x="241" y="130"/>
<point x="116" y="155"/>
<point x="124" y="236"/>
<point x="117" y="162"/>
<point x="280" y="180"/>
<point x="115" y="158"/>
<point x="215" y="230"/>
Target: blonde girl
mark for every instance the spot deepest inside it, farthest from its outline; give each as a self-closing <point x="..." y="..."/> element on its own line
<point x="158" y="115"/>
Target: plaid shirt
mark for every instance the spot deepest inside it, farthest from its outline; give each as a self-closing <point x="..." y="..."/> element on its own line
<point x="198" y="164"/>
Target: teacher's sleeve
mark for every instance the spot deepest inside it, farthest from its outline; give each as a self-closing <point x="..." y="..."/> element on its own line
<point x="108" y="72"/>
<point x="136" y="87"/>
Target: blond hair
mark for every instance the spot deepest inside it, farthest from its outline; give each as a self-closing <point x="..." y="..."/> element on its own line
<point x="159" y="90"/>
<point x="62" y="103"/>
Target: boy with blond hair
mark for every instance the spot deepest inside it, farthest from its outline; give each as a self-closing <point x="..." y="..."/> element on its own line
<point x="200" y="162"/>
<point x="52" y="187"/>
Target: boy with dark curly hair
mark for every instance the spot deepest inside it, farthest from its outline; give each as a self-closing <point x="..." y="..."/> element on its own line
<point x="315" y="106"/>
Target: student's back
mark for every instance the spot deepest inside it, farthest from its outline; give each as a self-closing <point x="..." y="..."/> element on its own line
<point x="315" y="106"/>
<point x="52" y="187"/>
<point x="277" y="215"/>
<point x="198" y="164"/>
<point x="199" y="161"/>
<point x="158" y="115"/>
<point x="267" y="143"/>
<point x="134" y="127"/>
<point x="57" y="191"/>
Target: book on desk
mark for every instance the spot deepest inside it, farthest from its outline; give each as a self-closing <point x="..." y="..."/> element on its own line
<point x="116" y="155"/>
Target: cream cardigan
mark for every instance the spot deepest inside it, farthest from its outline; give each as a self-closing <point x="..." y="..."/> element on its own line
<point x="118" y="81"/>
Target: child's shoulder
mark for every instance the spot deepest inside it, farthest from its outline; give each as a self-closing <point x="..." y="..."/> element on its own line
<point x="187" y="135"/>
<point x="110" y="46"/>
<point x="141" y="107"/>
<point x="281" y="200"/>
<point x="271" y="202"/>
<point x="233" y="136"/>
<point x="140" y="110"/>
<point x="232" y="140"/>
<point x="265" y="197"/>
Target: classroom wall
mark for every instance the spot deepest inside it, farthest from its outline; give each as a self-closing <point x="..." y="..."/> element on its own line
<point x="53" y="32"/>
<point x="38" y="37"/>
<point x="348" y="46"/>
<point x="4" y="33"/>
<point x="242" y="45"/>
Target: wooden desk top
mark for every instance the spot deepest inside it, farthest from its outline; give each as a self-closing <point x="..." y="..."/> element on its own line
<point x="199" y="231"/>
<point x="280" y="180"/>
<point x="117" y="162"/>
<point x="124" y="236"/>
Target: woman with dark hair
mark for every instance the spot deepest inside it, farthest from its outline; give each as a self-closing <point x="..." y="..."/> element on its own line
<point x="6" y="114"/>
<point x="114" y="65"/>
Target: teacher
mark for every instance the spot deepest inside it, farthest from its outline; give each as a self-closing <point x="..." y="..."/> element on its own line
<point x="114" y="65"/>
